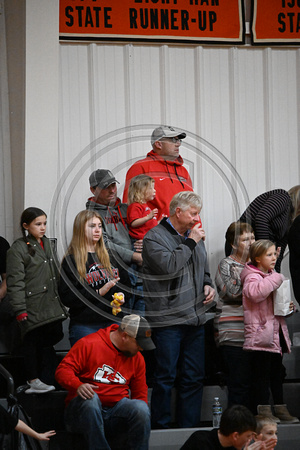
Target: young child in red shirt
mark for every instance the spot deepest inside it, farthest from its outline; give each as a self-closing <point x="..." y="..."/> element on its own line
<point x="140" y="217"/>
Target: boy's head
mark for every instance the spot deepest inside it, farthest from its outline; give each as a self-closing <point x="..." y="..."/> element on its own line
<point x="266" y="429"/>
<point x="237" y="425"/>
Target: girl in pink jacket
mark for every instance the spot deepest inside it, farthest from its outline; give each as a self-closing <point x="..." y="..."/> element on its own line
<point x="266" y="335"/>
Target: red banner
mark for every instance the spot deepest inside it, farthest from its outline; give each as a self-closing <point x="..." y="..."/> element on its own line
<point x="207" y="21"/>
<point x="276" y="22"/>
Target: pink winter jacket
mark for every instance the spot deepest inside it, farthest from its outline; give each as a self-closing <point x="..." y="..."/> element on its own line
<point x="261" y="326"/>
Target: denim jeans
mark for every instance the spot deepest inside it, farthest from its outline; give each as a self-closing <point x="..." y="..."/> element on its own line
<point x="136" y="303"/>
<point x="179" y="349"/>
<point x="98" y="424"/>
<point x="79" y="330"/>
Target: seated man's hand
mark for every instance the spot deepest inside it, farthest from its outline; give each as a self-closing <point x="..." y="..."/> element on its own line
<point x="86" y="390"/>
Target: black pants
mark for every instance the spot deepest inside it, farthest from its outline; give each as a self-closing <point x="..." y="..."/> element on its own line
<point x="39" y="354"/>
<point x="268" y="375"/>
<point x="238" y="374"/>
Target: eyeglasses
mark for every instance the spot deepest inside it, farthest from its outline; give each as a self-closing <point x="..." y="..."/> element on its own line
<point x="175" y="140"/>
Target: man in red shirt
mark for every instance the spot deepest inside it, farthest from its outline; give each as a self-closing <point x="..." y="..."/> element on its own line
<point x="98" y="372"/>
<point x="165" y="165"/>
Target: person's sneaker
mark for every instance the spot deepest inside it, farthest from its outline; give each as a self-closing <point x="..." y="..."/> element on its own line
<point x="38" y="387"/>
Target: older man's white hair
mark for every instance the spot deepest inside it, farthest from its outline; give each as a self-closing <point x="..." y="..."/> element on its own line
<point x="185" y="200"/>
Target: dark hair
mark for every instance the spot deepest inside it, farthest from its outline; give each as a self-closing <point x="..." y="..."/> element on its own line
<point x="235" y="230"/>
<point x="28" y="215"/>
<point x="237" y="418"/>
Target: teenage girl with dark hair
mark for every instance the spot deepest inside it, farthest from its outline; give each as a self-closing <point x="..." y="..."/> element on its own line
<point x="33" y="293"/>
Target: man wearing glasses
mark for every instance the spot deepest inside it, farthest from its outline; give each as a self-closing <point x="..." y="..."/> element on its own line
<point x="165" y="165"/>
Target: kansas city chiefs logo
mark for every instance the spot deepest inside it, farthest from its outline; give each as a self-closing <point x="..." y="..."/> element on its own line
<point x="107" y="374"/>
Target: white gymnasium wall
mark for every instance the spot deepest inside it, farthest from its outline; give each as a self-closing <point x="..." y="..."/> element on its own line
<point x="6" y="218"/>
<point x="41" y="102"/>
<point x="239" y="107"/>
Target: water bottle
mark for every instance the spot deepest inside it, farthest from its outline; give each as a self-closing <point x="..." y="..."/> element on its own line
<point x="216" y="412"/>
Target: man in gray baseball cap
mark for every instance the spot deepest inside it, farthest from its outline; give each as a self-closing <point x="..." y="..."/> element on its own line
<point x="113" y="212"/>
<point x="105" y="201"/>
<point x="165" y="165"/>
<point x="102" y="178"/>
<point x="166" y="132"/>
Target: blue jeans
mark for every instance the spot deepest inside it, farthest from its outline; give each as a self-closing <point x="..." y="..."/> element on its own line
<point x="128" y="419"/>
<point x="79" y="330"/>
<point x="178" y="347"/>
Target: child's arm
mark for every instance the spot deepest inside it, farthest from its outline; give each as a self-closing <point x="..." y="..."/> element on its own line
<point x="258" y="288"/>
<point x="139" y="222"/>
<point x="23" y="428"/>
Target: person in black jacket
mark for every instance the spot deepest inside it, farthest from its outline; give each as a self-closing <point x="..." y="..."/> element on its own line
<point x="9" y="423"/>
<point x="4" y="246"/>
<point x="9" y="329"/>
<point x="88" y="281"/>
<point x="237" y="429"/>
<point x="270" y="215"/>
<point x="294" y="242"/>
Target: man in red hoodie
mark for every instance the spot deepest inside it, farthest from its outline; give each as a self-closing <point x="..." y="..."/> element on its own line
<point x="104" y="374"/>
<point x="165" y="165"/>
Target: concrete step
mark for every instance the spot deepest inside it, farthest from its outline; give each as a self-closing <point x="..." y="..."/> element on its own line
<point x="173" y="439"/>
<point x="46" y="412"/>
<point x="53" y="404"/>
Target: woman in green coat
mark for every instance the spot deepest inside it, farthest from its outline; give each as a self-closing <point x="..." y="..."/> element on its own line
<point x="32" y="290"/>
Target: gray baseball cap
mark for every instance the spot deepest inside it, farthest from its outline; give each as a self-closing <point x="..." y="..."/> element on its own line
<point x="165" y="131"/>
<point x="102" y="178"/>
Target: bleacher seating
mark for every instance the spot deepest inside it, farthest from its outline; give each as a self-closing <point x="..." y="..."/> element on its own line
<point x="46" y="410"/>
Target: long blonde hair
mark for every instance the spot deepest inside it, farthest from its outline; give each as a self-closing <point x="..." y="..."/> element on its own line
<point x="78" y="244"/>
